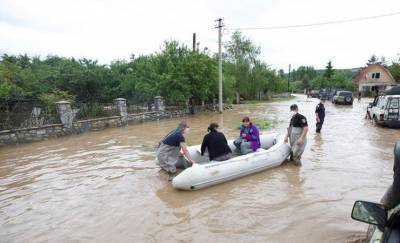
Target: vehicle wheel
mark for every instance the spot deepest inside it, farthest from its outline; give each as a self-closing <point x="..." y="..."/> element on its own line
<point x="349" y="100"/>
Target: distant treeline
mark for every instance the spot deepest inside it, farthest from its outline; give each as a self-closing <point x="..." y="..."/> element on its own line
<point x="175" y="72"/>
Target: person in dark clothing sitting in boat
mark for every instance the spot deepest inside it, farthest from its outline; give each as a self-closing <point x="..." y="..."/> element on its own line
<point x="216" y="144"/>
<point x="249" y="140"/>
<point x="169" y="150"/>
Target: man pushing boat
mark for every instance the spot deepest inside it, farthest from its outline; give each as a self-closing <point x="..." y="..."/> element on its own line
<point x="297" y="134"/>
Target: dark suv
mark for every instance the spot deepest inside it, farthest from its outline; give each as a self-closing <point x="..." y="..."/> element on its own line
<point x="331" y="93"/>
<point x="343" y="97"/>
<point x="323" y="94"/>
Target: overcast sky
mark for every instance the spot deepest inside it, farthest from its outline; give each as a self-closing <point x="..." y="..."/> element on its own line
<point x="107" y="30"/>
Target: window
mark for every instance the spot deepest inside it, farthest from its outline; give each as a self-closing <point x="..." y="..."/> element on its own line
<point x="381" y="102"/>
<point x="394" y="103"/>
<point x="376" y="75"/>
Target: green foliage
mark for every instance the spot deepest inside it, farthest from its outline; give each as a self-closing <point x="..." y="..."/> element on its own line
<point x="339" y="80"/>
<point x="304" y="74"/>
<point x="395" y="70"/>
<point x="93" y="110"/>
<point x="48" y="100"/>
<point x="56" y="95"/>
<point x="175" y="72"/>
<point x="5" y="89"/>
<point x="329" y="72"/>
<point x="318" y="82"/>
<point x="246" y="74"/>
<point x="372" y="60"/>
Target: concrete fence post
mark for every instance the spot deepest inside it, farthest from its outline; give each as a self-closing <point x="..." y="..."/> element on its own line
<point x="120" y="104"/>
<point x="66" y="114"/>
<point x="159" y="103"/>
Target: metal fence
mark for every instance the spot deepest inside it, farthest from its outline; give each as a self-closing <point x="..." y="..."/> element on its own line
<point x="94" y="110"/>
<point x="25" y="113"/>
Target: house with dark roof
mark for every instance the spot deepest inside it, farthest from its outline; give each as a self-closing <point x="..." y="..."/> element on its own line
<point x="373" y="77"/>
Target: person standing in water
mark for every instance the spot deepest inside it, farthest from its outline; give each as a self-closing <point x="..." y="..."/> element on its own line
<point x="320" y="115"/>
<point x="297" y="134"/>
<point x="168" y="153"/>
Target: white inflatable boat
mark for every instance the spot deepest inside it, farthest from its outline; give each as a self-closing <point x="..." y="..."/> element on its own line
<point x="206" y="173"/>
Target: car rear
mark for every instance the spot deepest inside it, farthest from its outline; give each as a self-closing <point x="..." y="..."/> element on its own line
<point x="344" y="97"/>
<point x="391" y="116"/>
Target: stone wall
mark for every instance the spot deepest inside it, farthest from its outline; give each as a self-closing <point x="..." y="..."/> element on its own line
<point x="26" y="135"/>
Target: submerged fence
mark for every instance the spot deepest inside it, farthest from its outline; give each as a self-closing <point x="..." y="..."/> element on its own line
<point x="25" y="113"/>
<point x="28" y="113"/>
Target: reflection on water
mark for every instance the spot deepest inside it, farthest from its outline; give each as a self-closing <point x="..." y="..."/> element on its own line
<point x="105" y="187"/>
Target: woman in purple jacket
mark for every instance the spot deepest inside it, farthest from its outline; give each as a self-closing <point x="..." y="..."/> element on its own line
<point x="249" y="140"/>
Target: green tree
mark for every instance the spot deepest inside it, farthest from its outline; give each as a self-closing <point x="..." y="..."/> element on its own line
<point x="243" y="54"/>
<point x="329" y="71"/>
<point x="372" y="60"/>
<point x="395" y="70"/>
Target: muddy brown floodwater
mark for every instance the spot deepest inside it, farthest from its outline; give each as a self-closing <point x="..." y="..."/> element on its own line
<point x="105" y="187"/>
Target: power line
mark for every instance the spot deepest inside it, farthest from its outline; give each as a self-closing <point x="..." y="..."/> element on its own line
<point x="317" y="24"/>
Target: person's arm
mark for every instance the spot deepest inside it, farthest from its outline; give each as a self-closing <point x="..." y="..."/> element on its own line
<point x="203" y="145"/>
<point x="304" y="131"/>
<point x="242" y="133"/>
<point x="287" y="135"/>
<point x="316" y="113"/>
<point x="226" y="142"/>
<point x="254" y="136"/>
<point x="186" y="152"/>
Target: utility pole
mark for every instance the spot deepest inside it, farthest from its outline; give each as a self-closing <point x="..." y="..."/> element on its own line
<point x="191" y="101"/>
<point x="220" y="25"/>
<point x="288" y="84"/>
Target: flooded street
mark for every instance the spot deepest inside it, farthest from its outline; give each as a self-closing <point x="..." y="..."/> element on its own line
<point x="105" y="187"/>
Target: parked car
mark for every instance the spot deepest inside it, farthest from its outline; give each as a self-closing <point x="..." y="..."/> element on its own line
<point x="384" y="219"/>
<point x="331" y="93"/>
<point x="385" y="110"/>
<point x="314" y="93"/>
<point x="343" y="97"/>
<point x="323" y="94"/>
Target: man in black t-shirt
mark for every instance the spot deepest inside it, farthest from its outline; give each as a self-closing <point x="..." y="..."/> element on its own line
<point x="320" y="115"/>
<point x="297" y="134"/>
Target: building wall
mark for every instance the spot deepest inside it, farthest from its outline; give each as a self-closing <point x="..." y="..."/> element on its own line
<point x="384" y="78"/>
<point x="367" y="81"/>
